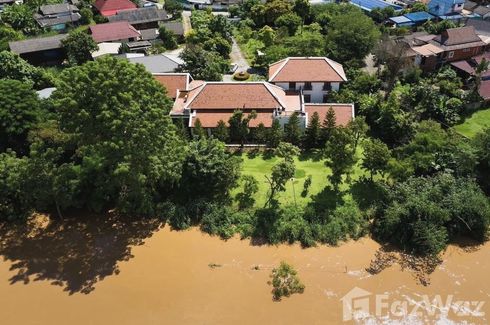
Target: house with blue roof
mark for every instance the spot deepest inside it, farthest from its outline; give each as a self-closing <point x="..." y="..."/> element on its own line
<point x="411" y="19"/>
<point x="445" y="7"/>
<point x="369" y="5"/>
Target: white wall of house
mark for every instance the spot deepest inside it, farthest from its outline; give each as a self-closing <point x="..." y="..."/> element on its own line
<point x="316" y="93"/>
<point x="284" y="119"/>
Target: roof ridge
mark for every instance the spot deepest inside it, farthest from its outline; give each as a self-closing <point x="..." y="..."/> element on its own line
<point x="341" y="75"/>
<point x="266" y="85"/>
<point x="286" y="60"/>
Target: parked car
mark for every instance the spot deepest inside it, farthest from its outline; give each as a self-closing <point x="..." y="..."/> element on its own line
<point x="233" y="68"/>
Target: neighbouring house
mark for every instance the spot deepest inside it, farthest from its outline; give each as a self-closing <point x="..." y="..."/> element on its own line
<point x="106" y="48"/>
<point x="470" y="5"/>
<point x="410" y="19"/>
<point x="42" y="50"/>
<point x="314" y="77"/>
<point x="158" y="63"/>
<point x="369" y="5"/>
<point x="445" y="7"/>
<point x="141" y="18"/>
<point x="57" y="16"/>
<point x="211" y="102"/>
<point x="120" y="31"/>
<point x="4" y="3"/>
<point x="482" y="12"/>
<point x="177" y="27"/>
<point x="430" y="52"/>
<point x="110" y="7"/>
<point x="173" y="82"/>
<point x="482" y="27"/>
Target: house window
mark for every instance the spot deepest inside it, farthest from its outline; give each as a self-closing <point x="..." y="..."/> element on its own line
<point x="307" y="98"/>
<point x="292" y="85"/>
<point x="327" y="86"/>
<point x="450" y="54"/>
<point x="308" y="86"/>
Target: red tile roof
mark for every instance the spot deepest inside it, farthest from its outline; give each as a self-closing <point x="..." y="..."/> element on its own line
<point x="173" y="82"/>
<point x="111" y="7"/>
<point x="210" y="118"/>
<point x="116" y="31"/>
<point x="235" y="95"/>
<point x="302" y="69"/>
<point x="344" y="113"/>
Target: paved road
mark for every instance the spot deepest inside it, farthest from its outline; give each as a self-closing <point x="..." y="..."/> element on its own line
<point x="186" y="21"/>
<point x="236" y="56"/>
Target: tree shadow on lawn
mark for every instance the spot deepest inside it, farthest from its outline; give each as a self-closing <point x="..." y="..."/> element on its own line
<point x="314" y="155"/>
<point x="74" y="253"/>
<point x="367" y="193"/>
<point x="327" y="200"/>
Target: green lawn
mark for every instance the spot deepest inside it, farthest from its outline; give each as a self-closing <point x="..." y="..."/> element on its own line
<point x="260" y="166"/>
<point x="474" y="123"/>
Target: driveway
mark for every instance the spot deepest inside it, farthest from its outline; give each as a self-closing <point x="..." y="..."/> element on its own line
<point x="237" y="57"/>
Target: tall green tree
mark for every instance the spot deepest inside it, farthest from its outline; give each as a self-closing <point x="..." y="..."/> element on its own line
<point x="274" y="134"/>
<point x="12" y="66"/>
<point x="168" y="38"/>
<point x="239" y="125"/>
<point x="221" y="132"/>
<point x="14" y="201"/>
<point x="313" y="133"/>
<point x="79" y="47"/>
<point x="293" y="130"/>
<point x="20" y="111"/>
<point x="339" y="155"/>
<point x="125" y="142"/>
<point x="376" y="157"/>
<point x="202" y="64"/>
<point x="282" y="172"/>
<point x="198" y="131"/>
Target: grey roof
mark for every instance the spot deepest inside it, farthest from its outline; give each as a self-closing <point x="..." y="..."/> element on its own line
<point x="481" y="10"/>
<point x="482" y="27"/>
<point x="46" y="21"/>
<point x="149" y="34"/>
<point x="138" y="44"/>
<point x="6" y="1"/>
<point x="159" y="63"/>
<point x="140" y="15"/>
<point x="470" y="5"/>
<point x="175" y="26"/>
<point x="57" y="8"/>
<point x="37" y="44"/>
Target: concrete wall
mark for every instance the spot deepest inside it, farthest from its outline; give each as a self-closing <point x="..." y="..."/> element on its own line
<point x="316" y="93"/>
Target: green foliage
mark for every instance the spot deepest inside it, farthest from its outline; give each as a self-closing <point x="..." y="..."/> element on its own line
<point x="20" y="17"/>
<point x="239" y="125"/>
<point x="481" y="145"/>
<point x="174" y="8"/>
<point x="306" y="186"/>
<point x="290" y="21"/>
<point x="250" y="187"/>
<point x="19" y="113"/>
<point x="376" y="157"/>
<point x="125" y="141"/>
<point x="14" y="203"/>
<point x="198" y="131"/>
<point x="286" y="151"/>
<point x="8" y="34"/>
<point x="86" y="16"/>
<point x="79" y="47"/>
<point x="281" y="173"/>
<point x="340" y="155"/>
<point x="423" y="214"/>
<point x="292" y="129"/>
<point x="313" y="133"/>
<point x="202" y="64"/>
<point x="221" y="132"/>
<point x="437" y="28"/>
<point x="168" y="38"/>
<point x="12" y="66"/>
<point x="274" y="134"/>
<point x="285" y="282"/>
<point x="433" y="150"/>
<point x="209" y="171"/>
<point x="351" y="35"/>
<point x="220" y="220"/>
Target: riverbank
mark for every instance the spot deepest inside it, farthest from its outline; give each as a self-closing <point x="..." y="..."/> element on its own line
<point x="168" y="280"/>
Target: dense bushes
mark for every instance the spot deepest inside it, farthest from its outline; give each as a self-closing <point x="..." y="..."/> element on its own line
<point x="423" y="214"/>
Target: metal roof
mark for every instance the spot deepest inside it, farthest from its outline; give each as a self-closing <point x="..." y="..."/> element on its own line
<point x="419" y="16"/>
<point x="401" y="20"/>
<point x="37" y="44"/>
<point x="156" y="63"/>
<point x="369" y="5"/>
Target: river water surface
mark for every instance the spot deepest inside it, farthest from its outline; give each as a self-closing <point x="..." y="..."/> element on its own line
<point x="140" y="273"/>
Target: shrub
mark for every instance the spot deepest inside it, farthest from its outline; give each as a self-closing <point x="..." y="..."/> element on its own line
<point x="285" y="282"/>
<point x="241" y="76"/>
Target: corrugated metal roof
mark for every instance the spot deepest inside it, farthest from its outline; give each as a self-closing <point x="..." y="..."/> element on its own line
<point x="37" y="44"/>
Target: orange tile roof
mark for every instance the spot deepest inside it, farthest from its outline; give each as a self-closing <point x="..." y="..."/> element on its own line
<point x="302" y="69"/>
<point x="116" y="31"/>
<point x="210" y="118"/>
<point x="234" y="96"/>
<point x="344" y="113"/>
<point x="173" y="82"/>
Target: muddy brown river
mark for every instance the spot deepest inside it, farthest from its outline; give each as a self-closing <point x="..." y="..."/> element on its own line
<point x="115" y="272"/>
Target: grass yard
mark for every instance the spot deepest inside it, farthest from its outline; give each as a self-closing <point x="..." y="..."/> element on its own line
<point x="474" y="123"/>
<point x="260" y="165"/>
